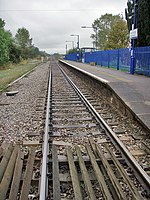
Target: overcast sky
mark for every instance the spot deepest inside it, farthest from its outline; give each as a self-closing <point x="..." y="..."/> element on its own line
<point x="51" y="22"/>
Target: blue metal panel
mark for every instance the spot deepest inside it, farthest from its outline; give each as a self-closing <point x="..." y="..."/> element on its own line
<point x="125" y="59"/>
<point x="142" y="58"/>
<point x="74" y="56"/>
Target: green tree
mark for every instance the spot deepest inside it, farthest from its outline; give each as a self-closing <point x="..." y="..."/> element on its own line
<point x="13" y="49"/>
<point x="34" y="52"/>
<point x="24" y="42"/>
<point x="2" y="23"/>
<point x="14" y="53"/>
<point x="104" y="25"/>
<point x="22" y="38"/>
<point x="5" y="42"/>
<point x="118" y="36"/>
<point x="142" y="20"/>
<point x="74" y="50"/>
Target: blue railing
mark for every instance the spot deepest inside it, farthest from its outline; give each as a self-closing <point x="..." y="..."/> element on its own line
<point x="142" y="56"/>
<point x="74" y="57"/>
<point x="119" y="59"/>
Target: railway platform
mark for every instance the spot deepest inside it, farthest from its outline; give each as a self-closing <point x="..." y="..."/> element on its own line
<point x="134" y="90"/>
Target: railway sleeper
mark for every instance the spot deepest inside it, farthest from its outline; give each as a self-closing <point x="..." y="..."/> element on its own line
<point x="17" y="173"/>
<point x="82" y="174"/>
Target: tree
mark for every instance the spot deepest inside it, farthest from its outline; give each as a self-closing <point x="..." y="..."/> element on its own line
<point x="14" y="53"/>
<point x="34" y="52"/>
<point x="143" y="23"/>
<point x="2" y="23"/>
<point x="104" y="25"/>
<point x="5" y="42"/>
<point x="118" y="36"/>
<point x="24" y="42"/>
<point x="142" y="20"/>
<point x="23" y="38"/>
<point x="13" y="49"/>
<point x="74" y="50"/>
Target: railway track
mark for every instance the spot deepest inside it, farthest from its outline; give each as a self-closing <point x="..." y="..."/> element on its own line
<point x="85" y="159"/>
<point x="80" y="157"/>
<point x="117" y="116"/>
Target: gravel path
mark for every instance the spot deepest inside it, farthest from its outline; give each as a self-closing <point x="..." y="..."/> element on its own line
<point x="23" y="114"/>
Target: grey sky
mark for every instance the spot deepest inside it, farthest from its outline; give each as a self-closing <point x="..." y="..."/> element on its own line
<point x="50" y="23"/>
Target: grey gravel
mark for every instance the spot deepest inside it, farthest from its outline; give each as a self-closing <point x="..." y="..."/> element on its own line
<point x="20" y="114"/>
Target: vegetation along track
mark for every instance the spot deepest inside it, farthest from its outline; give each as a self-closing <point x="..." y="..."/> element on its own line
<point x="84" y="156"/>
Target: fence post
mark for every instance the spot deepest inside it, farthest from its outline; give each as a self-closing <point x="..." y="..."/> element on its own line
<point x="118" y="59"/>
<point x="108" y="59"/>
<point x="132" y="68"/>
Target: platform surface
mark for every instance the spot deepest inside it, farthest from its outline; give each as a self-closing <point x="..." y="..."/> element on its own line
<point x="134" y="90"/>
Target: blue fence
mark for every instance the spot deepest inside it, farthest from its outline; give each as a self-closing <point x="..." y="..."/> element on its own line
<point x="142" y="56"/>
<point x="74" y="56"/>
<point x="119" y="59"/>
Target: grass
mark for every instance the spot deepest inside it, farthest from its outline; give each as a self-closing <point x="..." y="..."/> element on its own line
<point x="12" y="72"/>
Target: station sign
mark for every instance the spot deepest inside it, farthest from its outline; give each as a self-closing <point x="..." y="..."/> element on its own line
<point x="134" y="34"/>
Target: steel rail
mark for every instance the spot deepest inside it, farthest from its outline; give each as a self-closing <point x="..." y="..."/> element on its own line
<point x="43" y="192"/>
<point x="141" y="175"/>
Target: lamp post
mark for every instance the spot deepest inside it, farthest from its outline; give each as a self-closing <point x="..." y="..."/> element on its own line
<point x="132" y="68"/>
<point x="66" y="49"/>
<point x="78" y="46"/>
<point x="72" y="44"/>
<point x="96" y="29"/>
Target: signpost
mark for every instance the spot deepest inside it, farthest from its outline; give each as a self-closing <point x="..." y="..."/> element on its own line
<point x="134" y="34"/>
